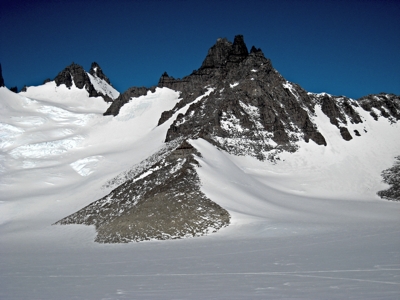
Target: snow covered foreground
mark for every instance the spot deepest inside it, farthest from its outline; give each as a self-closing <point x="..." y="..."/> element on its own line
<point x="308" y="227"/>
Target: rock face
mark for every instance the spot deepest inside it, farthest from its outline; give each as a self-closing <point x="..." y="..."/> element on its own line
<point x="391" y="176"/>
<point x="386" y="105"/>
<point x="253" y="110"/>
<point x="1" y="78"/>
<point x="75" y="73"/>
<point x="95" y="70"/>
<point x="163" y="202"/>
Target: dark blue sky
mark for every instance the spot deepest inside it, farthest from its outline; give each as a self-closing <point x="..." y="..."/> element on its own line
<point x="347" y="48"/>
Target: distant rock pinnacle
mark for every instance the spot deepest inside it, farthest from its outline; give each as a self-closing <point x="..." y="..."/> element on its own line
<point x="75" y="73"/>
<point x="224" y="52"/>
<point x="1" y="78"/>
<point x="95" y="70"/>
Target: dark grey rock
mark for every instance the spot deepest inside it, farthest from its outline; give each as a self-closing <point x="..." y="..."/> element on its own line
<point x="1" y="77"/>
<point x="284" y="109"/>
<point x="259" y="86"/>
<point x="95" y="70"/>
<point x="75" y="73"/>
<point x="345" y="133"/>
<point x="391" y="176"/>
<point x="339" y="109"/>
<point x="166" y="204"/>
<point x="387" y="104"/>
<point x="218" y="54"/>
<point x="14" y="89"/>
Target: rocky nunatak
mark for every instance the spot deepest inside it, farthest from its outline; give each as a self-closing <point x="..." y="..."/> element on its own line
<point x="163" y="202"/>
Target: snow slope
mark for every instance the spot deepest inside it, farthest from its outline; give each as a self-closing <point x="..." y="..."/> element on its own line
<point x="102" y="86"/>
<point x="308" y="227"/>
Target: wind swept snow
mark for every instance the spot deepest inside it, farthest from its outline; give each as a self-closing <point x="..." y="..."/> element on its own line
<point x="103" y="87"/>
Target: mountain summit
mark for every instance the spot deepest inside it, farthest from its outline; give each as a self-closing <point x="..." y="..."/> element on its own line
<point x="95" y="82"/>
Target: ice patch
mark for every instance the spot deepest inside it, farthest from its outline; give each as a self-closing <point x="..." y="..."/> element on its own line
<point x="8" y="134"/>
<point x="103" y="87"/>
<point x="230" y="123"/>
<point x="45" y="149"/>
<point x="61" y="115"/>
<point x="29" y="120"/>
<point x="86" y="166"/>
<point x="290" y="87"/>
<point x="233" y="85"/>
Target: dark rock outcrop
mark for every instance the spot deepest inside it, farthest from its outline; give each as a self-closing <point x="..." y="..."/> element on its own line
<point x="391" y="176"/>
<point x="163" y="202"/>
<point x="268" y="111"/>
<point x="75" y="73"/>
<point x="95" y="70"/>
<point x="344" y="132"/>
<point x="385" y="105"/>
<point x="14" y="89"/>
<point x="252" y="108"/>
<point x="1" y="77"/>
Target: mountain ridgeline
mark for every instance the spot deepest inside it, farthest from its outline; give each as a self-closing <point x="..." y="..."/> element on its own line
<point x="237" y="102"/>
<point x="252" y="109"/>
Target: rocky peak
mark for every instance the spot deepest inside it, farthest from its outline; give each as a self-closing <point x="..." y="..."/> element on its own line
<point x="239" y="50"/>
<point x="247" y="108"/>
<point x="256" y="51"/>
<point x="224" y="51"/>
<point x="96" y="71"/>
<point x="168" y="81"/>
<point x="1" y="78"/>
<point x="218" y="54"/>
<point x="73" y="73"/>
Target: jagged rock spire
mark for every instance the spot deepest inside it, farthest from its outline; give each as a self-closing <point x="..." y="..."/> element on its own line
<point x="95" y="70"/>
<point x="224" y="51"/>
<point x="73" y="73"/>
<point x="239" y="50"/>
<point x="1" y="78"/>
<point x="218" y="54"/>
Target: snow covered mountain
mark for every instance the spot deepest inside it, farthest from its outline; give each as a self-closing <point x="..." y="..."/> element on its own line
<point x="232" y="147"/>
<point x="238" y="103"/>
